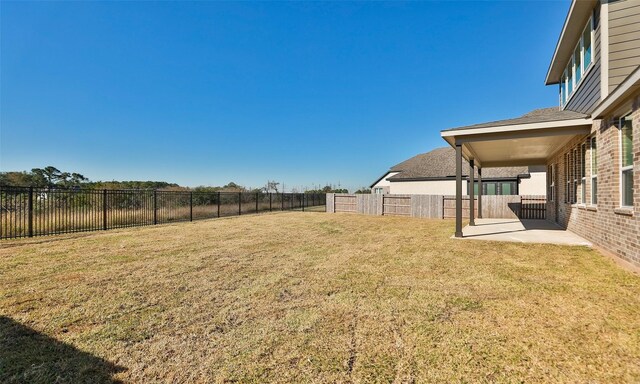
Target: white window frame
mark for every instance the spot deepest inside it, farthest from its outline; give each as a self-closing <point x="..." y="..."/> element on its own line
<point x="552" y="182"/>
<point x="563" y="92"/>
<point x="583" y="173"/>
<point x="572" y="68"/>
<point x="574" y="192"/>
<point x="567" y="178"/>
<point x="623" y="169"/>
<point x="594" y="172"/>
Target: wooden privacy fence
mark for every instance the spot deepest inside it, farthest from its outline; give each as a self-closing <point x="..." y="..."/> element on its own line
<point x="438" y="206"/>
<point x="344" y="203"/>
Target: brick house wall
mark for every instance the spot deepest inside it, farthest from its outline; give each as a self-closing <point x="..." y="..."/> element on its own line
<point x="604" y="223"/>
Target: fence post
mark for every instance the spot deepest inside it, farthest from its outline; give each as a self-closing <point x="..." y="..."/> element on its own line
<point x="239" y="203"/>
<point x="302" y="201"/>
<point x="270" y="201"/>
<point x="257" y="195"/>
<point x="30" y="203"/>
<point x="218" y="204"/>
<point x="104" y="209"/>
<point x="282" y="201"/>
<point x="191" y="206"/>
<point x="155" y="207"/>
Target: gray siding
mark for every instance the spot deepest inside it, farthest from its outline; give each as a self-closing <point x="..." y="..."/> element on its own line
<point x="587" y="95"/>
<point x="624" y="40"/>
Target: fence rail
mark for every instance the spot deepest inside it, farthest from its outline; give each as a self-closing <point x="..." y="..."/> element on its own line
<point x="533" y="208"/>
<point x="27" y="212"/>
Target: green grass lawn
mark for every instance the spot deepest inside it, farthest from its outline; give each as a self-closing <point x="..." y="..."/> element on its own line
<point x="312" y="297"/>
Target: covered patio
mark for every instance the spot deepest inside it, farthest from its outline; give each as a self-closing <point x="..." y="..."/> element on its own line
<point x="522" y="231"/>
<point x="529" y="140"/>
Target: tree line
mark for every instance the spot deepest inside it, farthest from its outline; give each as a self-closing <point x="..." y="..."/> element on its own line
<point x="52" y="177"/>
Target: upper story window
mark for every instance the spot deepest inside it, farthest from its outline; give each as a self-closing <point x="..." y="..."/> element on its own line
<point x="579" y="63"/>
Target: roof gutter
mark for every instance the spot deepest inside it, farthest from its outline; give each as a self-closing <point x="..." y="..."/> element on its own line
<point x="515" y="127"/>
<point x="453" y="178"/>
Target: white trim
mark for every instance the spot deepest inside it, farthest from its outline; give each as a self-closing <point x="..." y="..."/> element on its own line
<point x="574" y="192"/>
<point x="583" y="172"/>
<point x="580" y="10"/>
<point x="623" y="168"/>
<point x="567" y="179"/>
<point x="517" y="127"/>
<point x="564" y="29"/>
<point x="572" y="63"/>
<point x="594" y="176"/>
<point x="618" y="94"/>
<point x="604" y="50"/>
<point x="551" y="177"/>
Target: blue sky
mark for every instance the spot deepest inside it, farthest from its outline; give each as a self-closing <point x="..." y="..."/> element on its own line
<point x="204" y="93"/>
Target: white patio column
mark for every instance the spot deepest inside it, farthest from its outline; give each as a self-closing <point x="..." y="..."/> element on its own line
<point x="471" y="193"/>
<point x="458" y="190"/>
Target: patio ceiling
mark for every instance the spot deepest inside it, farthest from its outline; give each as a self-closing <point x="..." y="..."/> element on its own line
<point x="518" y="144"/>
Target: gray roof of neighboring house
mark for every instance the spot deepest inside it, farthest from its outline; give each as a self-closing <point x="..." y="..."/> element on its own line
<point x="441" y="163"/>
<point x="542" y="115"/>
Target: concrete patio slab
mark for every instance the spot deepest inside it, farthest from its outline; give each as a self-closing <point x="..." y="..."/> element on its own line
<point x="522" y="231"/>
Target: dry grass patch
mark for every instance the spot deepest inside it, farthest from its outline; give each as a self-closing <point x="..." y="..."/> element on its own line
<point x="311" y="297"/>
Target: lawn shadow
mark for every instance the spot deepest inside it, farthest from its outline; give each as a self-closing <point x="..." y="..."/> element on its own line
<point x="27" y="356"/>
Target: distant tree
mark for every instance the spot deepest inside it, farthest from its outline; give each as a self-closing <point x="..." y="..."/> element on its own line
<point x="202" y="188"/>
<point x="233" y="187"/>
<point x="135" y="185"/>
<point x="18" y="179"/>
<point x="364" y="190"/>
<point x="272" y="186"/>
<point x="72" y="179"/>
<point x="327" y="189"/>
<point x="47" y="176"/>
<point x="77" y="178"/>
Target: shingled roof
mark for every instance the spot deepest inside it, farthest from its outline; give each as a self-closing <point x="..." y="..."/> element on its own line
<point x="542" y="115"/>
<point x="441" y="163"/>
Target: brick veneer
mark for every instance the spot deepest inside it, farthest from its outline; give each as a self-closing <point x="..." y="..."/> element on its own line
<point x="605" y="224"/>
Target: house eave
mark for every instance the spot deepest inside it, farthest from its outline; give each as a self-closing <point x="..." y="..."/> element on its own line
<point x="620" y="94"/>
<point x="514" y="128"/>
<point x="379" y="179"/>
<point x="453" y="178"/>
<point x="517" y="144"/>
<point x="571" y="31"/>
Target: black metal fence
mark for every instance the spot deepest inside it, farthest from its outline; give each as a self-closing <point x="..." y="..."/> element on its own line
<point x="533" y="208"/>
<point x="26" y="212"/>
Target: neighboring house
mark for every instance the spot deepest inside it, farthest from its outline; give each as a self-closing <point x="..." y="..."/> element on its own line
<point x="434" y="173"/>
<point x="591" y="142"/>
